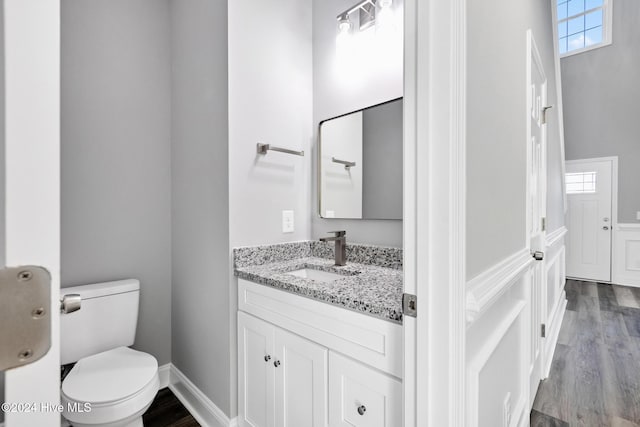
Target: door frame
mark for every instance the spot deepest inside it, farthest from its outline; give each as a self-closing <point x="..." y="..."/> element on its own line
<point x="435" y="212"/>
<point x="614" y="203"/>
<point x="31" y="202"/>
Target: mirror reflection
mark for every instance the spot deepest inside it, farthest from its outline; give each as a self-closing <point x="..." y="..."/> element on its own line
<point x="360" y="163"/>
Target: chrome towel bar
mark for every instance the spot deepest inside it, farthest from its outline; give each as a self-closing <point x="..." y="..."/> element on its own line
<point x="263" y="148"/>
<point x="347" y="165"/>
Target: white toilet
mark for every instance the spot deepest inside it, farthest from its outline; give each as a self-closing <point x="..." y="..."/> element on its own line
<point x="111" y="385"/>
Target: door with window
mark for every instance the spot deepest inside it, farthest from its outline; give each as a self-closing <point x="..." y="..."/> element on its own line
<point x="589" y="187"/>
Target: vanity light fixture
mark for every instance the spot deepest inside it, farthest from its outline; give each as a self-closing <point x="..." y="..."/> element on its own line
<point x="371" y="12"/>
<point x="367" y="15"/>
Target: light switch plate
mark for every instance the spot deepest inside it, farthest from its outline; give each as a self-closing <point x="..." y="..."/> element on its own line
<point x="287" y="222"/>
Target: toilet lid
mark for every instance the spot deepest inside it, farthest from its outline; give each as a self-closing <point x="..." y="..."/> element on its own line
<point x="110" y="376"/>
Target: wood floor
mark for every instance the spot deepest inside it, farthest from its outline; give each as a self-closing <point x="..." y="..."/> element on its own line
<point x="167" y="411"/>
<point x="595" y="373"/>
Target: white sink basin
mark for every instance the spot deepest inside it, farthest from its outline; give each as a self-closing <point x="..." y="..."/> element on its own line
<point x="318" y="275"/>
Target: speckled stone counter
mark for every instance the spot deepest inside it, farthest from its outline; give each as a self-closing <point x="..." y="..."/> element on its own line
<point x="372" y="282"/>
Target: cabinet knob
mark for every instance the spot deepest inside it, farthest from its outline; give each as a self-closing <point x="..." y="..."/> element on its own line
<point x="267" y="358"/>
<point x="276" y="363"/>
<point x="362" y="409"/>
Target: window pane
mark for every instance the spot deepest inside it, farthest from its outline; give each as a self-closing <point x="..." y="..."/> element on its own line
<point x="581" y="182"/>
<point x="593" y="19"/>
<point x="593" y="36"/>
<point x="563" y="45"/>
<point x="593" y="3"/>
<point x="575" y="7"/>
<point x="562" y="11"/>
<point x="576" y="25"/>
<point x="575" y="41"/>
<point x="562" y="29"/>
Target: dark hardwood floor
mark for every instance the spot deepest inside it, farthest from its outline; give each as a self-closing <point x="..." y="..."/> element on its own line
<point x="167" y="411"/>
<point x="595" y="372"/>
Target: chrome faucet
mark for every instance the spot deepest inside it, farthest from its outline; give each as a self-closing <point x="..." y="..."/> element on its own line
<point x="341" y="246"/>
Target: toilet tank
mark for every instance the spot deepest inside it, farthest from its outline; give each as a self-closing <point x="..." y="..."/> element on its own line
<point x="107" y="319"/>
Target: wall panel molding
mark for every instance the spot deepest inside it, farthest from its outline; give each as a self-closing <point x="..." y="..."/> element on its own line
<point x="486" y="288"/>
<point x="626" y="255"/>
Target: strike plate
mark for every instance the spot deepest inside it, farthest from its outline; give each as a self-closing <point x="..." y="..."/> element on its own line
<point x="25" y="320"/>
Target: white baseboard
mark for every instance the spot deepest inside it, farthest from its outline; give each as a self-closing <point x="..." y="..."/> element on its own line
<point x="196" y="402"/>
<point x="164" y="372"/>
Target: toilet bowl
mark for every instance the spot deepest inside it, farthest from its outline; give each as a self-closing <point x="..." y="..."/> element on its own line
<point x="111" y="385"/>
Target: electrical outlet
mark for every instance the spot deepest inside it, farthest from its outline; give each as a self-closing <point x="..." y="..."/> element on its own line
<point x="506" y="411"/>
<point x="287" y="222"/>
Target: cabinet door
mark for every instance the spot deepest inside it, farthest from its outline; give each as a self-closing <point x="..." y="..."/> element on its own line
<point x="360" y="396"/>
<point x="255" y="372"/>
<point x="301" y="381"/>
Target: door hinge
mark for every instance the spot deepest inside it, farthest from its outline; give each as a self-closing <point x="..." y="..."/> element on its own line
<point x="25" y="317"/>
<point x="543" y="330"/>
<point x="543" y="223"/>
<point x="409" y="305"/>
<point x="544" y="114"/>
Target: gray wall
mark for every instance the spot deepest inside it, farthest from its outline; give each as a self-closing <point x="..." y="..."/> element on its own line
<point x="496" y="127"/>
<point x="382" y="161"/>
<point x="116" y="182"/>
<point x="601" y="91"/>
<point x="200" y="198"/>
<point x="334" y="95"/>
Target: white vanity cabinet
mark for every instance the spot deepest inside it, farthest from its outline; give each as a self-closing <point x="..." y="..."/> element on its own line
<point x="282" y="377"/>
<point x="344" y="372"/>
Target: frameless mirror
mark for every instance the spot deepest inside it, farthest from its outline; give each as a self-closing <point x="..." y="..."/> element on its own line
<point x="360" y="164"/>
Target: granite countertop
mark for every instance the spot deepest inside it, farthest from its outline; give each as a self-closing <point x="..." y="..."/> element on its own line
<point x="371" y="289"/>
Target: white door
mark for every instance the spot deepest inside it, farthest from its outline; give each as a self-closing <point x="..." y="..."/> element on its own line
<point x="30" y="219"/>
<point x="537" y="206"/>
<point x="301" y="377"/>
<point x="255" y="372"/>
<point x="589" y="219"/>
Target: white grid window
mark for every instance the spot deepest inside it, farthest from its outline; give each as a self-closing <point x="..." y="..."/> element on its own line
<point x="581" y="182"/>
<point x="583" y="25"/>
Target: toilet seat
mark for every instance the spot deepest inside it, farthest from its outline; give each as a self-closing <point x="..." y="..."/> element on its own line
<point x="117" y="383"/>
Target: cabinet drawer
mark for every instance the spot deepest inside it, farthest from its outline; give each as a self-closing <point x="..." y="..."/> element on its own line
<point x="360" y="396"/>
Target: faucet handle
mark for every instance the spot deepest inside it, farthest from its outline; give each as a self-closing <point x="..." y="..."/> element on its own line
<point x="339" y="233"/>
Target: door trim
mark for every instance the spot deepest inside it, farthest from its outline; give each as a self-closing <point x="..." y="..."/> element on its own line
<point x="614" y="205"/>
<point x="435" y="212"/>
<point x="32" y="183"/>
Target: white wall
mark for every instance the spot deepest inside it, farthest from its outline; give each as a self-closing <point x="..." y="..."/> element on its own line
<point x="200" y="312"/>
<point x="116" y="117"/>
<point x="270" y="101"/>
<point x="601" y="92"/>
<point x="496" y="128"/>
<point x="504" y="309"/>
<point x="375" y="77"/>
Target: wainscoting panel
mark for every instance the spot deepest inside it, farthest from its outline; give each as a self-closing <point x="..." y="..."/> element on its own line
<point x="501" y="321"/>
<point x="498" y="357"/>
<point x="626" y="255"/>
<point x="555" y="296"/>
